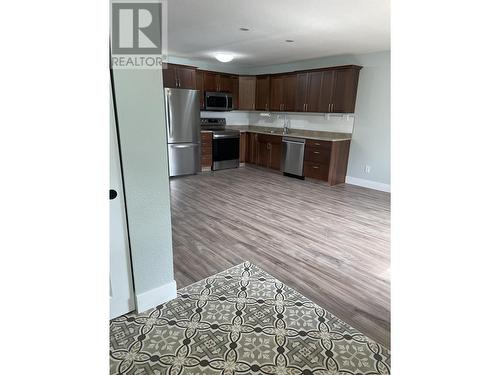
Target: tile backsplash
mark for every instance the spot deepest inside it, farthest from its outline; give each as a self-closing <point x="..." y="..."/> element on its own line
<point x="319" y="122"/>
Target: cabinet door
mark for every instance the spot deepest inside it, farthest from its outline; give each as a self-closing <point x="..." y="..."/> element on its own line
<point x="276" y="155"/>
<point x="206" y="149"/>
<point x="200" y="88"/>
<point x="345" y="89"/>
<point x="301" y="92"/>
<point x="289" y="90"/>
<point x="249" y="148"/>
<point x="243" y="147"/>
<point x="262" y="93"/>
<point x="210" y="81"/>
<point x="326" y="91"/>
<point x="313" y="91"/>
<point x="263" y="153"/>
<point x="186" y="77"/>
<point x="276" y="93"/>
<point x="225" y="83"/>
<point x="169" y="78"/>
<point x="235" y="88"/>
<point x="247" y="93"/>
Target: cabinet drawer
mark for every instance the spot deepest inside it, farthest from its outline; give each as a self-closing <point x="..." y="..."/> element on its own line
<point x="316" y="170"/>
<point x="312" y="143"/>
<point x="317" y="155"/>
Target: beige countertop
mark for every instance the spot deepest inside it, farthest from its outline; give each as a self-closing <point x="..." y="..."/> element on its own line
<point x="299" y="133"/>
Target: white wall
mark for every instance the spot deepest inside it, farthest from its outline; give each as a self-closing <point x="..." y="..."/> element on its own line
<point x="142" y="137"/>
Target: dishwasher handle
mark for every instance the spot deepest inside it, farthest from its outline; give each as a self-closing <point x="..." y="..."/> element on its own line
<point x="299" y="141"/>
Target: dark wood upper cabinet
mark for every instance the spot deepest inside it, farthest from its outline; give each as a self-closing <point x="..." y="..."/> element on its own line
<point x="179" y="76"/>
<point x="200" y="87"/>
<point x="326" y="91"/>
<point x="276" y="93"/>
<point x="301" y="92"/>
<point x="262" y="87"/>
<point x="235" y="90"/>
<point x="307" y="93"/>
<point x="169" y="78"/>
<point x="246" y="91"/>
<point x="313" y="91"/>
<point x="345" y="90"/>
<point x="282" y="94"/>
<point x="186" y="77"/>
<point x="289" y="89"/>
<point x="323" y="90"/>
<point x="225" y="83"/>
<point x="210" y="81"/>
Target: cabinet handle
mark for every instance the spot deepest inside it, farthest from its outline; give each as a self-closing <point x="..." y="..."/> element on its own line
<point x="316" y="144"/>
<point x="329" y="107"/>
<point x="306" y="106"/>
<point x="316" y="152"/>
<point x="332" y="107"/>
<point x="315" y="167"/>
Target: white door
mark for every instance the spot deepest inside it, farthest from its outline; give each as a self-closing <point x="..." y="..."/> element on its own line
<point x="121" y="290"/>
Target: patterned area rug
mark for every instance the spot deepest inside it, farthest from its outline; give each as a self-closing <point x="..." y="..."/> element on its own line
<point x="241" y="321"/>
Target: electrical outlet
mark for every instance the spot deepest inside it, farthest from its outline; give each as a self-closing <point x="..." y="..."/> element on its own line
<point x="368" y="168"/>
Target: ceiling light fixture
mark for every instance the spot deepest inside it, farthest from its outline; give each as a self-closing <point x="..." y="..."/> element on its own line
<point x="244" y="29"/>
<point x="289" y="41"/>
<point x="224" y="57"/>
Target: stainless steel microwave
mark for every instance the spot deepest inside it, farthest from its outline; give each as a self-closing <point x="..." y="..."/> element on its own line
<point x="218" y="101"/>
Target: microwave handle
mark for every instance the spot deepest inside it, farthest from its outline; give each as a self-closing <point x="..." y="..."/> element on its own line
<point x="227" y="102"/>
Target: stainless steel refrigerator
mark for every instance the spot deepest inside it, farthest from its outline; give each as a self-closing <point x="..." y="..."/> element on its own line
<point x="182" y="109"/>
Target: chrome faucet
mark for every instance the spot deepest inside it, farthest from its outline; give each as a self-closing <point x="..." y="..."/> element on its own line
<point x="286" y="125"/>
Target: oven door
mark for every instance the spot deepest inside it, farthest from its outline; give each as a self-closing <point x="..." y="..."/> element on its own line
<point x="225" y="152"/>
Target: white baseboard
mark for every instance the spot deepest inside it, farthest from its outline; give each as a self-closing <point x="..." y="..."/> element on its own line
<point x="368" y="184"/>
<point x="157" y="296"/>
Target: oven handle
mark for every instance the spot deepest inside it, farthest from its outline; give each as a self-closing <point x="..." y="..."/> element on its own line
<point x="225" y="136"/>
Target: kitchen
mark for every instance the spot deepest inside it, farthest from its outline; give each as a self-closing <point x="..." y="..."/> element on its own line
<point x="273" y="100"/>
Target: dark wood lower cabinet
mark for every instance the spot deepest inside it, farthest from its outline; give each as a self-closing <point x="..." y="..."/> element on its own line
<point x="318" y="171"/>
<point x="243" y="147"/>
<point x="269" y="151"/>
<point x="206" y="150"/>
<point x="338" y="162"/>
<point x="323" y="160"/>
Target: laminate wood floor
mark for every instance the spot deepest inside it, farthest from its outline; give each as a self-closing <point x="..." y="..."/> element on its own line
<point x="331" y="244"/>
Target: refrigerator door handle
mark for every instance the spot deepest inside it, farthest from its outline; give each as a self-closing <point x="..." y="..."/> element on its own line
<point x="180" y="145"/>
<point x="169" y="125"/>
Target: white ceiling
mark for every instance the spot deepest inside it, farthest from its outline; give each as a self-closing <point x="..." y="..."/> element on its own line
<point x="320" y="28"/>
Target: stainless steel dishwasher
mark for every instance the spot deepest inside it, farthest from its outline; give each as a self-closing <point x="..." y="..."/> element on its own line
<point x="292" y="157"/>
